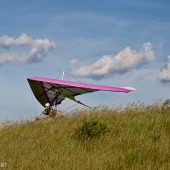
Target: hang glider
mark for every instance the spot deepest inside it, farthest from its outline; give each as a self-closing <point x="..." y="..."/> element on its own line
<point x="54" y="91"/>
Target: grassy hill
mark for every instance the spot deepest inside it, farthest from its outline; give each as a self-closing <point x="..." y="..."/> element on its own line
<point x="135" y="137"/>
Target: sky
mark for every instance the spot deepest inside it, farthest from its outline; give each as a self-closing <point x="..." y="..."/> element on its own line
<point x="104" y="42"/>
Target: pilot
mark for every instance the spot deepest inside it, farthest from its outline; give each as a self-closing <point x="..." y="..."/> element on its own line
<point x="48" y="112"/>
<point x="48" y="109"/>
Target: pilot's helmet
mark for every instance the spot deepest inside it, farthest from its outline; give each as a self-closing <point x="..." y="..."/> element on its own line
<point x="47" y="105"/>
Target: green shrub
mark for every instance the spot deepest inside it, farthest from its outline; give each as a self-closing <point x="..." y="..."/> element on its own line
<point x="91" y="129"/>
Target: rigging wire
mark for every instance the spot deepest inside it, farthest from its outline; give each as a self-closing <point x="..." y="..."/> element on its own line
<point x="77" y="80"/>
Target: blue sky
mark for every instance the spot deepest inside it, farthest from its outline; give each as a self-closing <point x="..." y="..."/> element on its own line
<point x="106" y="42"/>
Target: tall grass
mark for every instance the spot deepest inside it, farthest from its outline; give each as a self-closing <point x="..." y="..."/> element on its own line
<point x="137" y="137"/>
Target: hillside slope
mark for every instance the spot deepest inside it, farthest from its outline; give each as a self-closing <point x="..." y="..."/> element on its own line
<point x="137" y="137"/>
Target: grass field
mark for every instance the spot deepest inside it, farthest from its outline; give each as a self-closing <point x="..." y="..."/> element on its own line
<point x="134" y="137"/>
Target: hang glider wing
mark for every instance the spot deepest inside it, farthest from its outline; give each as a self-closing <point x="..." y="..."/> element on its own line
<point x="55" y="91"/>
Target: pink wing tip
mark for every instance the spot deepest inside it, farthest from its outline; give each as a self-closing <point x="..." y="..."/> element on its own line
<point x="129" y="88"/>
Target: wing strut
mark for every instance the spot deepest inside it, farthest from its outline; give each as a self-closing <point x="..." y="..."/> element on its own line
<point x="55" y="99"/>
<point x="79" y="102"/>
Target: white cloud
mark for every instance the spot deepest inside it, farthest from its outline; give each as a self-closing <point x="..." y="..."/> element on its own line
<point x="23" y="39"/>
<point x="164" y="74"/>
<point x="124" y="61"/>
<point x="73" y="61"/>
<point x="38" y="49"/>
<point x="6" y="58"/>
